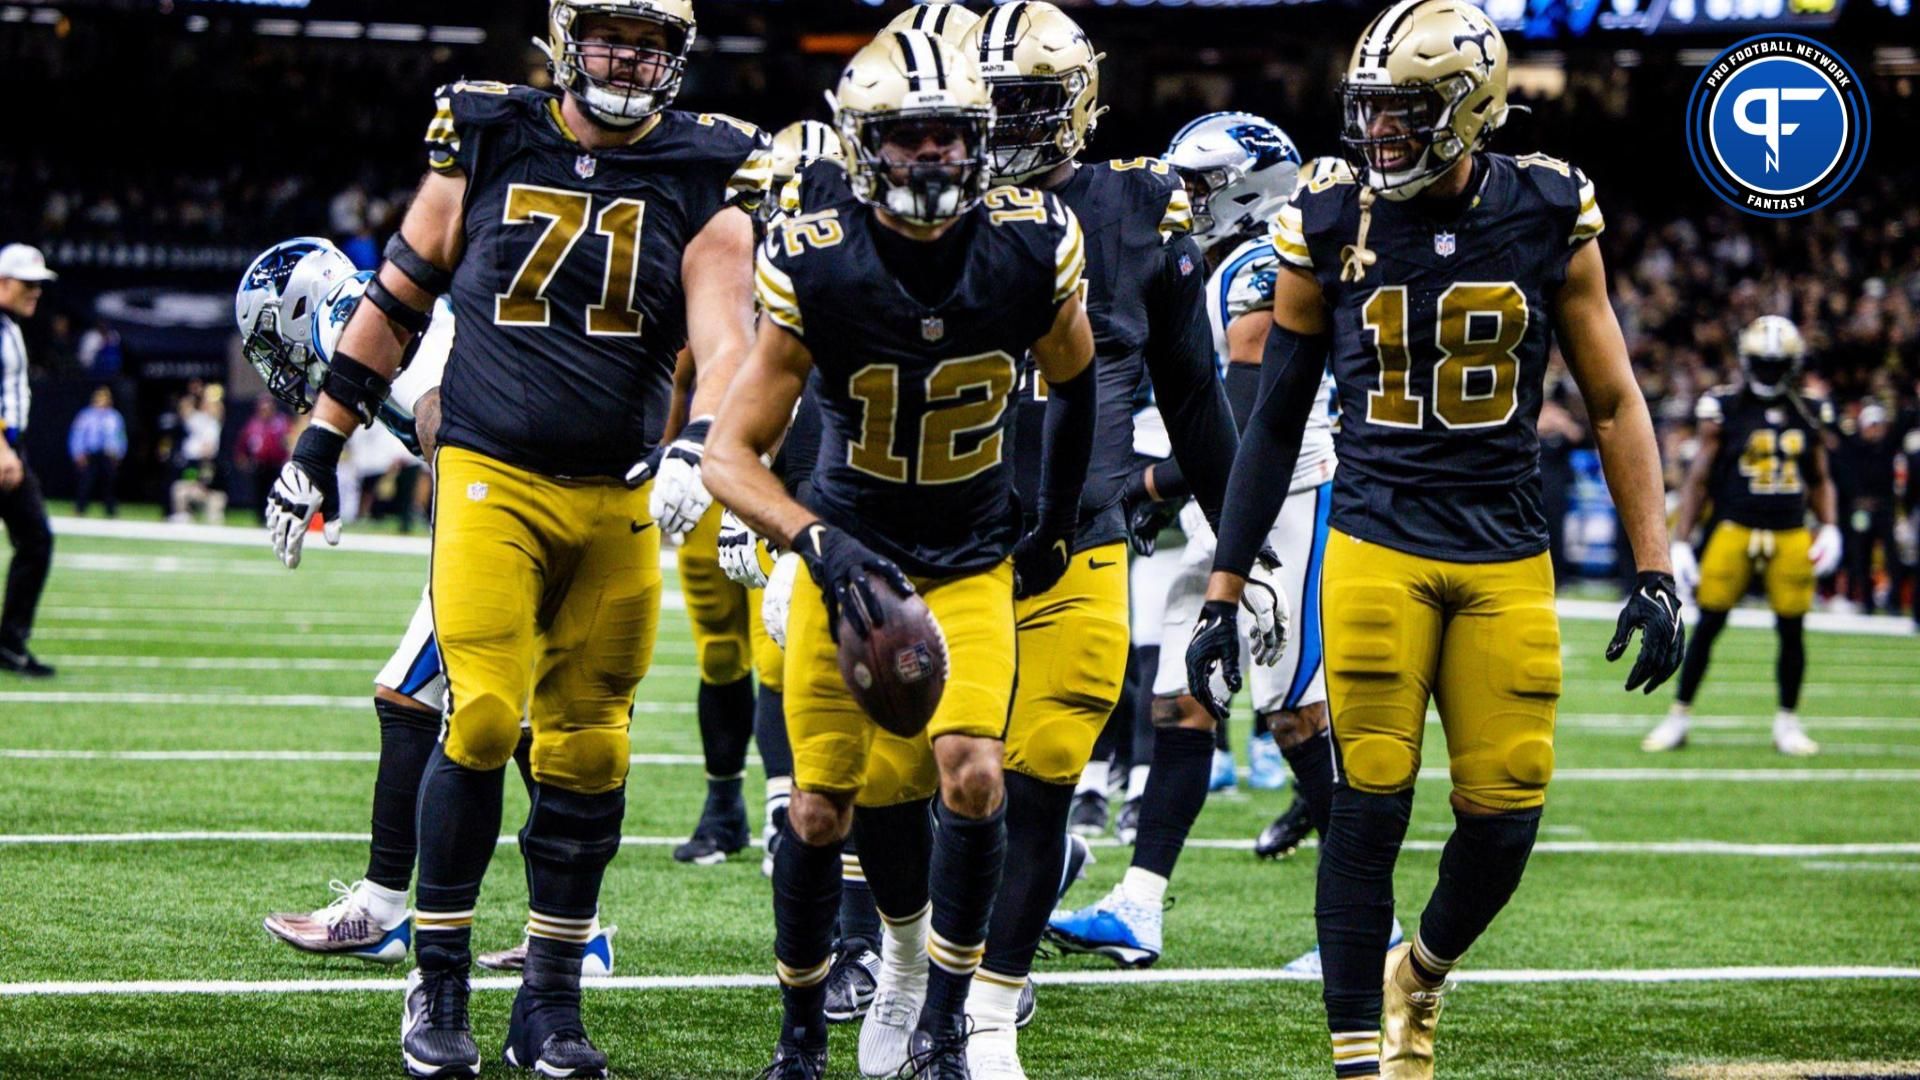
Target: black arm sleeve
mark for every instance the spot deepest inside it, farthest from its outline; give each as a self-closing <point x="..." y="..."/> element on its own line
<point x="1290" y="370"/>
<point x="1066" y="449"/>
<point x="1179" y="355"/>
<point x="1169" y="481"/>
<point x="1243" y="389"/>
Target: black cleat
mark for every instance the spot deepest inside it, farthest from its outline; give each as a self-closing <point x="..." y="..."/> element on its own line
<point x="851" y="982"/>
<point x="795" y="1062"/>
<point x="717" y="836"/>
<point x="1089" y="814"/>
<point x="1023" y="1012"/>
<point x="21" y="662"/>
<point x="1283" y="837"/>
<point x="435" y="1040"/>
<point x="938" y="1050"/>
<point x="545" y="1032"/>
<point x="1126" y="825"/>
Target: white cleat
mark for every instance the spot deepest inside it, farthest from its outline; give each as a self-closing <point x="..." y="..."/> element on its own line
<point x="1670" y="735"/>
<point x="993" y="1053"/>
<point x="346" y="927"/>
<point x="596" y="962"/>
<point x="1791" y="739"/>
<point x="889" y="1025"/>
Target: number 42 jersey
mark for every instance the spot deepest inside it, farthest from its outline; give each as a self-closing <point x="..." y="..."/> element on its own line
<point x="914" y="398"/>
<point x="1440" y="348"/>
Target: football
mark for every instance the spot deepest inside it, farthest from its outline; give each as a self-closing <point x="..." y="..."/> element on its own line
<point x="898" y="671"/>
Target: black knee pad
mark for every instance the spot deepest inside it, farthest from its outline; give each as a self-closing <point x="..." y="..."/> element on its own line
<point x="567" y="829"/>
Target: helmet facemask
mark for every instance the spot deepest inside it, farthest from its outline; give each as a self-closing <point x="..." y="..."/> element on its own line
<point x="1768" y="375"/>
<point x="1401" y="135"/>
<point x="640" y="71"/>
<point x="283" y="366"/>
<point x="1033" y="123"/>
<point x="926" y="166"/>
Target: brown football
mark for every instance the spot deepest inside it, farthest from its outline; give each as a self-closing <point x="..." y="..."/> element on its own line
<point x="898" y="671"/>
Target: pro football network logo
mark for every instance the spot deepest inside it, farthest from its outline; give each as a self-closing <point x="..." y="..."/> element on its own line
<point x="1777" y="125"/>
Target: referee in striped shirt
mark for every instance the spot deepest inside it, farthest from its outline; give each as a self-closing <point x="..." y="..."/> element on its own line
<point x="23" y="276"/>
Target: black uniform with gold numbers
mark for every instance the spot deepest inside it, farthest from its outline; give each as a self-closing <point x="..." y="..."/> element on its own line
<point x="914" y="411"/>
<point x="1759" y="499"/>
<point x="1437" y="582"/>
<point x="546" y="570"/>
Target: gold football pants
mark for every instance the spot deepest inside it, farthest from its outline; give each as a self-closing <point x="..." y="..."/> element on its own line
<point x="715" y="605"/>
<point x="1735" y="552"/>
<point x="838" y="750"/>
<point x="546" y="599"/>
<point x="1481" y="640"/>
<point x="1072" y="643"/>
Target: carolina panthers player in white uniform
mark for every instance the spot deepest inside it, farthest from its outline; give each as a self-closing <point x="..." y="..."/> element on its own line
<point x="1239" y="169"/>
<point x="291" y="306"/>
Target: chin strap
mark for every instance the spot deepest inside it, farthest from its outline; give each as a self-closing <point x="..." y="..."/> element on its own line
<point x="1356" y="257"/>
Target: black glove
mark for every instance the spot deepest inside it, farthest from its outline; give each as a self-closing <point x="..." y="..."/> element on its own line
<point x="1146" y="517"/>
<point x="1039" y="560"/>
<point x="839" y="565"/>
<point x="1654" y="608"/>
<point x="1216" y="642"/>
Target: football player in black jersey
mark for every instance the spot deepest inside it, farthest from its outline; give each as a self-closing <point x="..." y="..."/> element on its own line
<point x="1146" y="281"/>
<point x="1762" y="465"/>
<point x="605" y="232"/>
<point x="908" y="290"/>
<point x="1433" y="275"/>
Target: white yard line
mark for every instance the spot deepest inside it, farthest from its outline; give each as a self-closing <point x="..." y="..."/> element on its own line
<point x="240" y="701"/>
<point x="1688" y="848"/>
<point x="276" y="664"/>
<point x="291" y="756"/>
<point x="1055" y="978"/>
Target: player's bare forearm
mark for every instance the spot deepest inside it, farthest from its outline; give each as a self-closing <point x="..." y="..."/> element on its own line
<point x="718" y="274"/>
<point x="1622" y="426"/>
<point x="434" y="228"/>
<point x="1823" y="498"/>
<point x="1067" y="348"/>
<point x="751" y="421"/>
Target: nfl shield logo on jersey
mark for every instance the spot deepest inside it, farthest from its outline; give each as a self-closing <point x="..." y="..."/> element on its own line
<point x="1443" y="244"/>
<point x="584" y="165"/>
<point x="933" y="328"/>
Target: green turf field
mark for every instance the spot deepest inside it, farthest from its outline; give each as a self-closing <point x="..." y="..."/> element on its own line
<point x="1692" y="871"/>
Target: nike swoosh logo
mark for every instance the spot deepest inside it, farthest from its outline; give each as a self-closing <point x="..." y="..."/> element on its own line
<point x="1095" y="564"/>
<point x="639" y="528"/>
<point x="813" y="534"/>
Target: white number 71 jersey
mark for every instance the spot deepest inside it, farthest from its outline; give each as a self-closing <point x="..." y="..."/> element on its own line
<point x="1244" y="283"/>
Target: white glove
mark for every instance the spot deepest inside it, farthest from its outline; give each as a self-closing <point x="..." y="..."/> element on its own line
<point x="309" y="484"/>
<point x="1200" y="538"/>
<point x="679" y="500"/>
<point x="740" y="552"/>
<point x="1686" y="568"/>
<point x="1267" y="630"/>
<point x="1825" y="552"/>
<point x="779" y="596"/>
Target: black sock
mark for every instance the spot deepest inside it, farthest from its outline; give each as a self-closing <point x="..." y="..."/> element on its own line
<point x="1791" y="667"/>
<point x="1140" y="749"/>
<point x="1479" y="869"/>
<point x="968" y="854"/>
<point x="1353" y="903"/>
<point x="1030" y="886"/>
<point x="726" y="726"/>
<point x="523" y="759"/>
<point x="458" y="825"/>
<point x="1312" y="765"/>
<point x="1220" y="735"/>
<point x="1699" y="652"/>
<point x="859" y="923"/>
<point x="896" y="849"/>
<point x="1119" y="722"/>
<point x="770" y="732"/>
<point x="806" y="889"/>
<point x="407" y="737"/>
<point x="1176" y="790"/>
<point x="567" y="842"/>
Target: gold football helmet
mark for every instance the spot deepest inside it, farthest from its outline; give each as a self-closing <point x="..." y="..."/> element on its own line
<point x="640" y="79"/>
<point x="800" y="144"/>
<point x="914" y="115"/>
<point x="944" y="19"/>
<point x="1427" y="85"/>
<point x="1771" y="352"/>
<point x="1045" y="77"/>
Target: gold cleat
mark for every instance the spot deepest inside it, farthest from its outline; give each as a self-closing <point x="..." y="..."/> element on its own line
<point x="1407" y="1022"/>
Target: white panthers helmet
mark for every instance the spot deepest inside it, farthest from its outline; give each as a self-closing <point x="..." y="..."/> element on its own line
<point x="1239" y="170"/>
<point x="274" y="313"/>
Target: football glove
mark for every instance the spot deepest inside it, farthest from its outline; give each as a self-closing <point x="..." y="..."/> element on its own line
<point x="1039" y="561"/>
<point x="740" y="552"/>
<point x="1825" y="552"/>
<point x="644" y="469"/>
<point x="778" y="597"/>
<point x="1146" y="518"/>
<point x="679" y="499"/>
<point x="1215" y="644"/>
<point x="1686" y="568"/>
<point x="1263" y="599"/>
<point x="309" y="484"/>
<point x="1654" y="609"/>
<point x="840" y="565"/>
